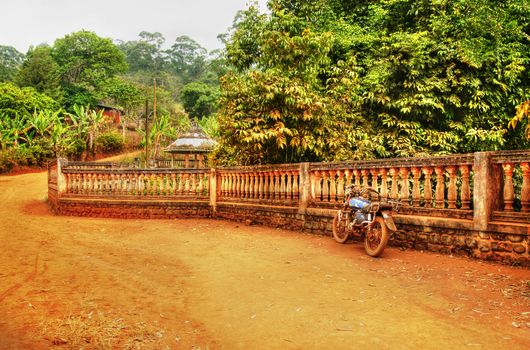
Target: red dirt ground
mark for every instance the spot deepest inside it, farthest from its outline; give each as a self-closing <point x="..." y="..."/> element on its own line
<point x="71" y="283"/>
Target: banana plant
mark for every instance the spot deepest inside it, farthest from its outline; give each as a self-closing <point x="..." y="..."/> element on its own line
<point x="42" y="121"/>
<point x="87" y="124"/>
<point x="13" y="130"/>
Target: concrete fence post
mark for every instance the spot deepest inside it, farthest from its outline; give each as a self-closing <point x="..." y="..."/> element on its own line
<point x="61" y="180"/>
<point x="487" y="185"/>
<point x="304" y="188"/>
<point x="213" y="190"/>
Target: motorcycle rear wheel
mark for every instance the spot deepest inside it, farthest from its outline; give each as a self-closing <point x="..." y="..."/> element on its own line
<point x="340" y="227"/>
<point x="376" y="237"/>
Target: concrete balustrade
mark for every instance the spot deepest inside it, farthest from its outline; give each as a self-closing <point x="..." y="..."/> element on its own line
<point x="475" y="204"/>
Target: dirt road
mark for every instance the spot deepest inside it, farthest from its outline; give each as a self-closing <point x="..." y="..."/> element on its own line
<point x="71" y="283"/>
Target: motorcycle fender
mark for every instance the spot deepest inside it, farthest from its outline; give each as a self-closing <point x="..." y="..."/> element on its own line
<point x="389" y="221"/>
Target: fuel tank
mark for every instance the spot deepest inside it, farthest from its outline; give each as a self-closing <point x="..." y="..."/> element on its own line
<point x="358" y="203"/>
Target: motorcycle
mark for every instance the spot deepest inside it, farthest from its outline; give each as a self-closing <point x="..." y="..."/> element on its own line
<point x="370" y="219"/>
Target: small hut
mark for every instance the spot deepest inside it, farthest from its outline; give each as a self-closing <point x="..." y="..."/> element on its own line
<point x="191" y="149"/>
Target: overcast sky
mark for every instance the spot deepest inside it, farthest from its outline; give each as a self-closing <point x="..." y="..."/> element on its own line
<point x="32" y="22"/>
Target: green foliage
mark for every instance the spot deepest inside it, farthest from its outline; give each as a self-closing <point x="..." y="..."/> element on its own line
<point x="199" y="99"/>
<point x="85" y="61"/>
<point x="41" y="72"/>
<point x="110" y="142"/>
<point x="15" y="100"/>
<point x="328" y="79"/>
<point x="10" y="60"/>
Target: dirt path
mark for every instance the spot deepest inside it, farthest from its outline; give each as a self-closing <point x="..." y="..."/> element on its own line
<point x="70" y="283"/>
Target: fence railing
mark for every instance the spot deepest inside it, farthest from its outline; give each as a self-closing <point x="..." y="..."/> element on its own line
<point x="483" y="187"/>
<point x="428" y="184"/>
<point x="137" y="182"/>
<point x="279" y="184"/>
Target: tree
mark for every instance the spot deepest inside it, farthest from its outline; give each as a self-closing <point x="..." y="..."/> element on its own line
<point x="10" y="60"/>
<point x="199" y="99"/>
<point x="417" y="77"/>
<point x="145" y="54"/>
<point x="86" y="60"/>
<point x="187" y="58"/>
<point x="21" y="101"/>
<point x="40" y="71"/>
<point x="279" y="108"/>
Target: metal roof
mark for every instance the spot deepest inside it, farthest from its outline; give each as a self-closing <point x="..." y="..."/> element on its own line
<point x="194" y="141"/>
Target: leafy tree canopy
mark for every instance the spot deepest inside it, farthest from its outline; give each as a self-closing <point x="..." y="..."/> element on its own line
<point x="86" y="60"/>
<point x="20" y="101"/>
<point x="41" y="72"/>
<point x="10" y="60"/>
<point x="363" y="79"/>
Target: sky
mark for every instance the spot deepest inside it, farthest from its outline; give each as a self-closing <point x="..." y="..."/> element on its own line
<point x="26" y="23"/>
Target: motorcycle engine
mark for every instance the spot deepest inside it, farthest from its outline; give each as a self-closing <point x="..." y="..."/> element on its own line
<point x="360" y="217"/>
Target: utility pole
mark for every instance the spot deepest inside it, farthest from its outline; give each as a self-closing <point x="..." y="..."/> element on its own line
<point x="154" y="105"/>
<point x="146" y="133"/>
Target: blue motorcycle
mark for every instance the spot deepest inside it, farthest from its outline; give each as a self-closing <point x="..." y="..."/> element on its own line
<point x="365" y="214"/>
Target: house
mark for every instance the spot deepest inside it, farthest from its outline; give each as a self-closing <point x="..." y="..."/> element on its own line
<point x="112" y="114"/>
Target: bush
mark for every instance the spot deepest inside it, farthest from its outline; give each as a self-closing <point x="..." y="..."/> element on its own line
<point x="35" y="153"/>
<point x="109" y="142"/>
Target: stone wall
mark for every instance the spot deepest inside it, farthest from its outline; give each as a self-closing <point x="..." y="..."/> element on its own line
<point x="126" y="209"/>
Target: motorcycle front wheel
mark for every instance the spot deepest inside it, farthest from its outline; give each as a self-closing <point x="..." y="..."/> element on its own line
<point x="376" y="237"/>
<point x="340" y="227"/>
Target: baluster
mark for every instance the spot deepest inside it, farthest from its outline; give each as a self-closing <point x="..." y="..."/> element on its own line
<point x="283" y="183"/>
<point x="231" y="185"/>
<point x="451" y="191"/>
<point x="187" y="184"/>
<point x="83" y="186"/>
<point x="340" y="185"/>
<point x="384" y="183"/>
<point x="277" y="185"/>
<point x="261" y="181"/>
<point x="270" y="185"/>
<point x="295" y="185"/>
<point x="325" y="186"/>
<point x="133" y="183"/>
<point x="255" y="190"/>
<point x="440" y="187"/>
<point x="508" y="192"/>
<point x="200" y="188"/>
<point x="405" y="194"/>
<point x="415" y="187"/>
<point x="375" y="179"/>
<point x="239" y="185"/>
<point x="427" y="189"/>
<point x="98" y="184"/>
<point x="139" y="184"/>
<point x="236" y="185"/>
<point x="364" y="173"/>
<point x="247" y="185"/>
<point x="315" y="186"/>
<point x="112" y="184"/>
<point x="173" y="188"/>
<point x="193" y="188"/>
<point x="332" y="186"/>
<point x="228" y="185"/>
<point x="394" y="187"/>
<point x="357" y="174"/>
<point x="525" y="190"/>
<point x="465" y="194"/>
<point x="289" y="189"/>
<point x="251" y="184"/>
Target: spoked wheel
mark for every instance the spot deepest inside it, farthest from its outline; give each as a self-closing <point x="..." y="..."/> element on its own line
<point x="376" y="237"/>
<point x="340" y="227"/>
